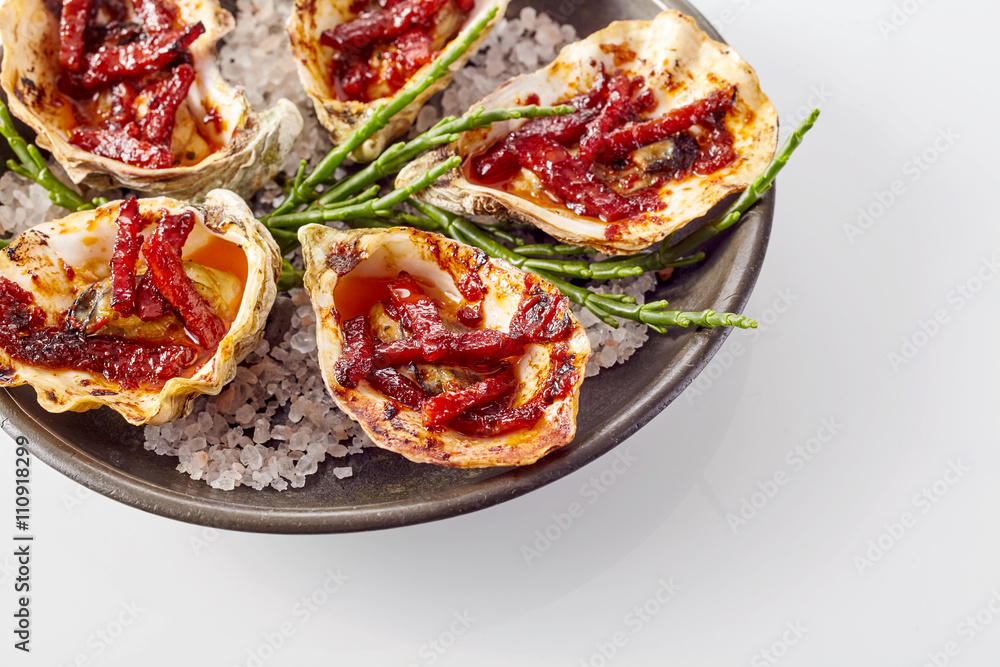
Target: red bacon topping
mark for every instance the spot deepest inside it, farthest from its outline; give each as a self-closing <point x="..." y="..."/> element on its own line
<point x="25" y="337"/>
<point x="441" y="409"/>
<point x="72" y="33"/>
<point x="384" y="48"/>
<point x="599" y="180"/>
<point x="355" y="362"/>
<point x="483" y="407"/>
<point x="126" y="252"/>
<point x="163" y="257"/>
<point x="151" y="58"/>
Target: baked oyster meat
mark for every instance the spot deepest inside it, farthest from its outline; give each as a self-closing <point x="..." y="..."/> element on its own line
<point x="668" y="123"/>
<point x="128" y="93"/>
<point x="139" y="305"/>
<point x="440" y="353"/>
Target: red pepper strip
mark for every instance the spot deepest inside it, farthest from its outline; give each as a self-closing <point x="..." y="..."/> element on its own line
<point x="72" y="32"/>
<point x="481" y="424"/>
<point x="137" y="59"/>
<point x="165" y="270"/>
<point x="619" y="143"/>
<point x="158" y="124"/>
<point x="155" y="16"/>
<point x="24" y="336"/>
<point x="150" y="304"/>
<point x="122" y="103"/>
<point x="123" y="145"/>
<point x="542" y="318"/>
<point x="126" y="252"/>
<point x="356" y="360"/>
<point x="482" y="346"/>
<point x="716" y="150"/>
<point x="466" y="5"/>
<point x="441" y="409"/>
<point x="382" y="25"/>
<point x="414" y="49"/>
<point x="499" y="162"/>
<point x="614" y="113"/>
<point x="570" y="179"/>
<point x="398" y="387"/>
<point x="495" y="419"/>
<point x="355" y="75"/>
<point x="421" y="316"/>
<point x="398" y="353"/>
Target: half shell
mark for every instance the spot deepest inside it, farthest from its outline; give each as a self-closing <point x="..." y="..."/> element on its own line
<point x="58" y="260"/>
<point x="250" y="146"/>
<point x="305" y="26"/>
<point x="682" y="65"/>
<point x="432" y="259"/>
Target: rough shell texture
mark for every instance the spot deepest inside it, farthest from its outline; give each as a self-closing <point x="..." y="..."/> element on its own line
<point x="307" y="22"/>
<point x="37" y="261"/>
<point x="683" y="65"/>
<point x="330" y="254"/>
<point x="254" y="145"/>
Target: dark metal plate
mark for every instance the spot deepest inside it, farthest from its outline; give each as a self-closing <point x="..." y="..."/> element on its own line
<point x="99" y="450"/>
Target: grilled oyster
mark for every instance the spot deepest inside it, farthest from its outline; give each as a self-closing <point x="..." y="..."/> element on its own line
<point x="158" y="118"/>
<point x="470" y="363"/>
<point x="60" y="334"/>
<point x="378" y="67"/>
<point x="668" y="124"/>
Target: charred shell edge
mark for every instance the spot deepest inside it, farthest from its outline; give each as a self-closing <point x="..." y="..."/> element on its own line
<point x="408" y="437"/>
<point x="254" y="155"/>
<point x="223" y="213"/>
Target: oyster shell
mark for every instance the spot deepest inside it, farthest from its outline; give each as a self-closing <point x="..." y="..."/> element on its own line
<point x="332" y="256"/>
<point x="246" y="150"/>
<point x="682" y="65"/>
<point x="305" y="26"/>
<point x="59" y="262"/>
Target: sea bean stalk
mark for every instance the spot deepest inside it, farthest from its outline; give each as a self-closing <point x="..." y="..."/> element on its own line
<point x="31" y="165"/>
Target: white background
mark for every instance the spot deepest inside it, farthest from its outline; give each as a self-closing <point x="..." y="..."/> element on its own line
<point x="806" y="558"/>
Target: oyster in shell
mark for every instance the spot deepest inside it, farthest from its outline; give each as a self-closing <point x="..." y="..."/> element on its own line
<point x="58" y="274"/>
<point x="216" y="138"/>
<point x="662" y="182"/>
<point x="342" y="113"/>
<point x="397" y="398"/>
